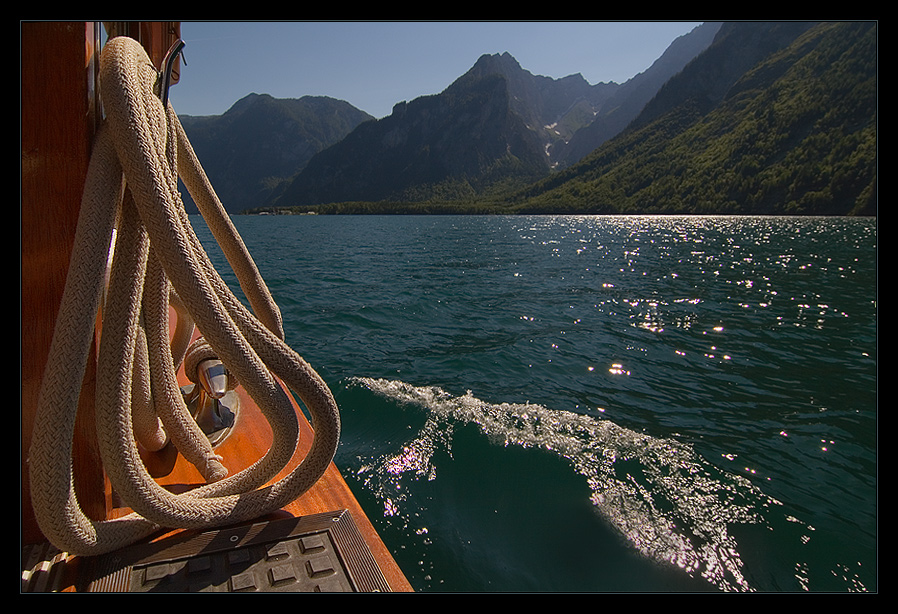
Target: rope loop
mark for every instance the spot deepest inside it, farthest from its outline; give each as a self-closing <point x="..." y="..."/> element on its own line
<point x="131" y="208"/>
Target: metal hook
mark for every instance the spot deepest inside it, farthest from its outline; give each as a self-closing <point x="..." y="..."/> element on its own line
<point x="167" y="66"/>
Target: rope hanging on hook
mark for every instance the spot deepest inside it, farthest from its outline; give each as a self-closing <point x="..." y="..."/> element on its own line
<point x="157" y="257"/>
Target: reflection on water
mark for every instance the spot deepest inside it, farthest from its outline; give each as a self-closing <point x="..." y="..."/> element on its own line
<point x="709" y="381"/>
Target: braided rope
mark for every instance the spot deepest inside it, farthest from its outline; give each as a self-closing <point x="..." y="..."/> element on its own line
<point x="158" y="259"/>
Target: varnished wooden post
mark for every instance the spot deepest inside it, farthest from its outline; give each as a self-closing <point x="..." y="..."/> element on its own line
<point x="59" y="112"/>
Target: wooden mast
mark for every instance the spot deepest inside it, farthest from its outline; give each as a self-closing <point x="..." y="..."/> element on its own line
<point x="59" y="113"/>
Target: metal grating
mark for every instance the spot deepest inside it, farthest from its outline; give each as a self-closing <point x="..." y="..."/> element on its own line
<point x="308" y="563"/>
<point x="320" y="553"/>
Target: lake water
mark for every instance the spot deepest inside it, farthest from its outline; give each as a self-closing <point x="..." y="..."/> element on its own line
<point x="597" y="403"/>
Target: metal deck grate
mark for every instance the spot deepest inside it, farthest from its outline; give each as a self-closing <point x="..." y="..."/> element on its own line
<point x="319" y="553"/>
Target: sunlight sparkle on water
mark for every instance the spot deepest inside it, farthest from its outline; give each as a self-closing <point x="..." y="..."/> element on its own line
<point x="618" y="369"/>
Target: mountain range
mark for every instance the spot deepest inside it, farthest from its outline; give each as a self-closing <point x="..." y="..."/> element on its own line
<point x="772" y="119"/>
<point x="500" y="139"/>
<point x="262" y="141"/>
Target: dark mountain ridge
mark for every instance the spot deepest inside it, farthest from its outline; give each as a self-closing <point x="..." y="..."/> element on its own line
<point x="494" y="128"/>
<point x="742" y="117"/>
<point x="553" y="108"/>
<point x="451" y="144"/>
<point x="261" y="141"/>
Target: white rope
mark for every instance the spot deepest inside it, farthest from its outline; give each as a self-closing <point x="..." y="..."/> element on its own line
<point x="157" y="256"/>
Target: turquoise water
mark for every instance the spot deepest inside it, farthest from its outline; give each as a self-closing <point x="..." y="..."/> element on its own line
<point x="597" y="403"/>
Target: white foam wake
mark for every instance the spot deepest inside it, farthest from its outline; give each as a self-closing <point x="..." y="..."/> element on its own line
<point x="671" y="504"/>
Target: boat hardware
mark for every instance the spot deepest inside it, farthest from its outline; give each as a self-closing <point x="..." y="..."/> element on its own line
<point x="168" y="63"/>
<point x="210" y="401"/>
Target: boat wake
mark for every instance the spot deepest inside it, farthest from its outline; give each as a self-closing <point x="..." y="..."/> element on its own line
<point x="666" y="500"/>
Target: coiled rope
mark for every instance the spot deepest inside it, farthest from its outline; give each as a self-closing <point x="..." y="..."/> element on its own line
<point x="131" y="194"/>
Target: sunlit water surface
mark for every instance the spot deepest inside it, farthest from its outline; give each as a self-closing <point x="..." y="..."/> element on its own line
<point x="596" y="403"/>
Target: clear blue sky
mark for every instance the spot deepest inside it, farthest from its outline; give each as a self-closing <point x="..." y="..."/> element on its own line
<point x="373" y="65"/>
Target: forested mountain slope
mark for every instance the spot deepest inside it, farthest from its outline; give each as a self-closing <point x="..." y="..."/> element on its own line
<point x="792" y="133"/>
